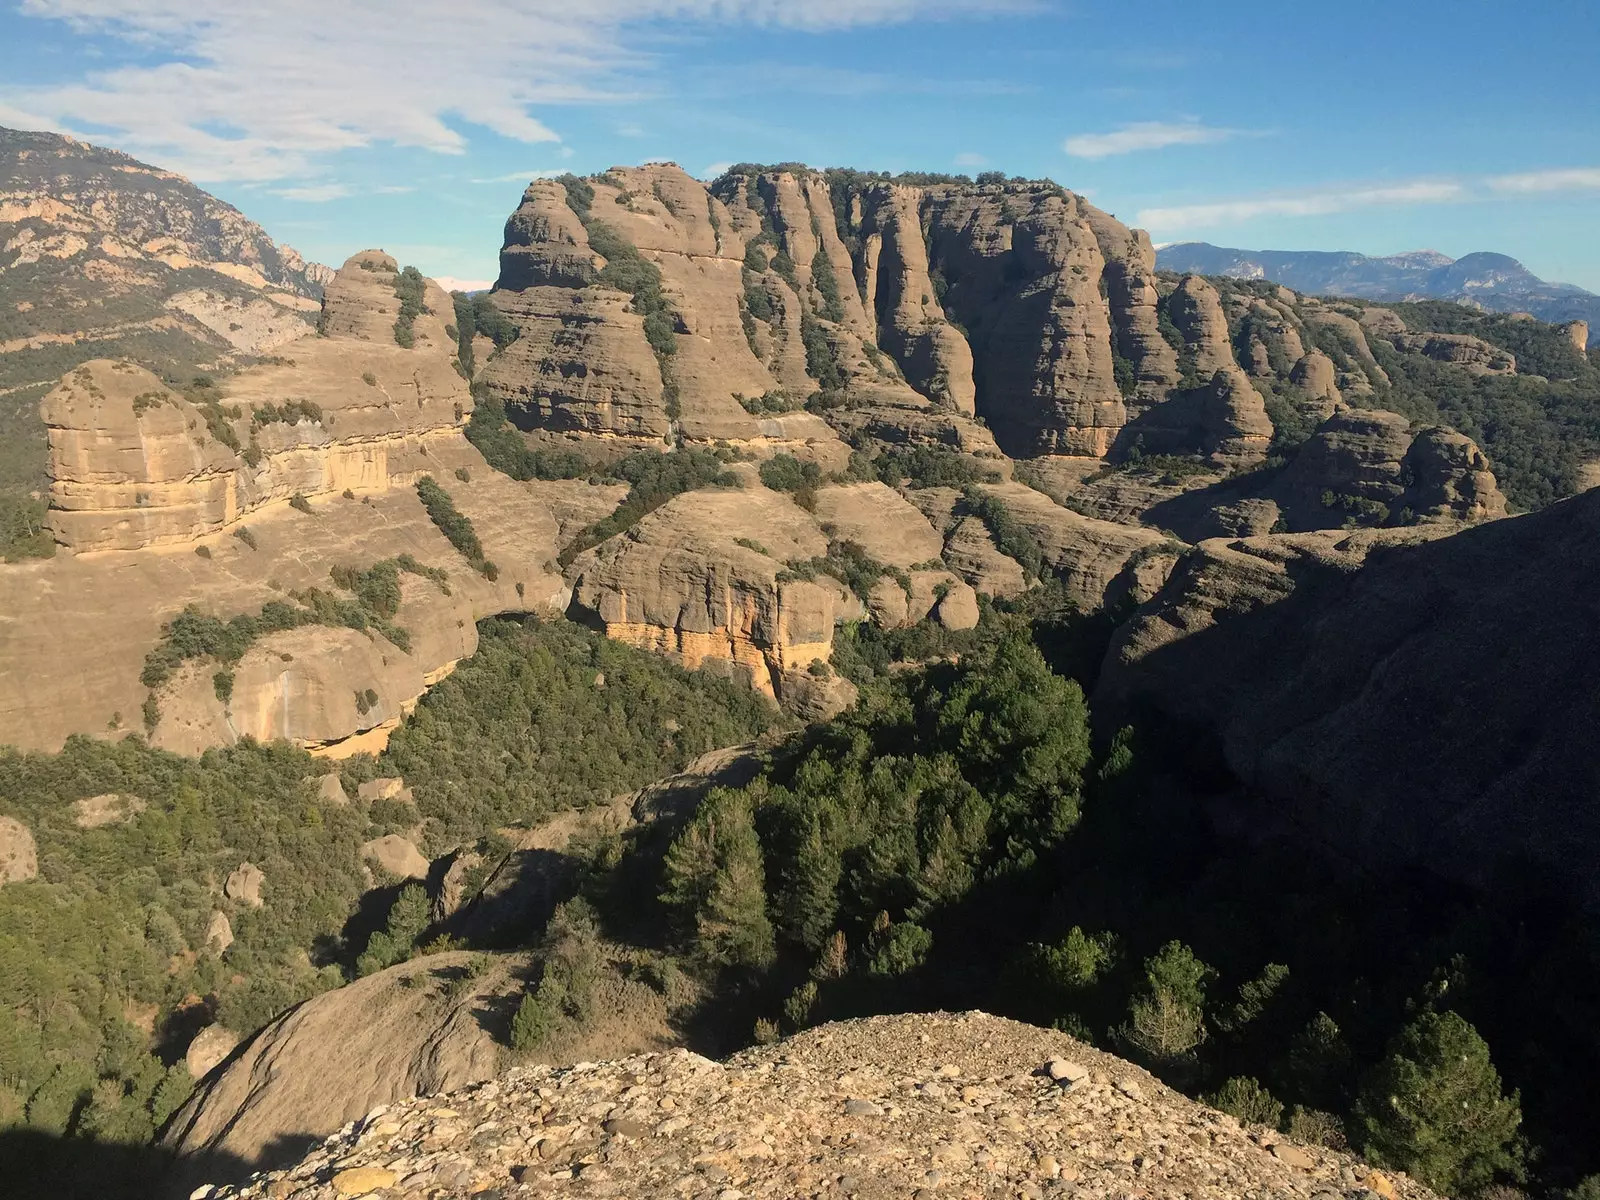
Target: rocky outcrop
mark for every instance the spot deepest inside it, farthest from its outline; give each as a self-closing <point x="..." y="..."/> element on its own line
<point x="385" y="1038"/>
<point x="1364" y="374"/>
<point x="243" y="885"/>
<point x="219" y="934"/>
<point x="397" y="856"/>
<point x="1315" y="375"/>
<point x="1196" y="310"/>
<point x="209" y="1048"/>
<point x="1225" y="421"/>
<point x="879" y="520"/>
<point x="1313" y="676"/>
<point x="135" y="464"/>
<point x="912" y="327"/>
<point x="1366" y="457"/>
<point x="966" y="1104"/>
<point x="1098" y="562"/>
<point x="1578" y="335"/>
<point x="546" y="245"/>
<point x="19" y="855"/>
<point x="166" y="501"/>
<point x="704" y="579"/>
<point x="1450" y="479"/>
<point x="1459" y="350"/>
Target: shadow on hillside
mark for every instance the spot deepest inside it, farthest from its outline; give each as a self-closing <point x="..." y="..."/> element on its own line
<point x="40" y="1166"/>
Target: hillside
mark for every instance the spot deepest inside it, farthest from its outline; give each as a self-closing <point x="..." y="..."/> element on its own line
<point x="107" y="257"/>
<point x="336" y="686"/>
<point x="1492" y="282"/>
<point x="879" y="1108"/>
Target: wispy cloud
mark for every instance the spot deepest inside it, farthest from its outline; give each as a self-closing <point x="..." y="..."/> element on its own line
<point x="1565" y="179"/>
<point x="314" y="193"/>
<point x="522" y="176"/>
<point x="269" y="89"/>
<point x="1327" y="200"/>
<point x="970" y="160"/>
<point x="631" y="131"/>
<point x="1146" y="135"/>
<point x="715" y="169"/>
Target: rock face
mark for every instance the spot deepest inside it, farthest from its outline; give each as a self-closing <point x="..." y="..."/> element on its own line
<point x="1197" y="312"/>
<point x="1373" y="456"/>
<point x="1578" y="335"/>
<point x="19" y="856"/>
<point x="1312" y="675"/>
<point x="378" y="1040"/>
<point x="1224" y="420"/>
<point x="893" y="1106"/>
<point x="210" y="1046"/>
<point x="243" y="885"/>
<point x="1461" y="350"/>
<point x="167" y="501"/>
<point x="135" y="464"/>
<point x="685" y="582"/>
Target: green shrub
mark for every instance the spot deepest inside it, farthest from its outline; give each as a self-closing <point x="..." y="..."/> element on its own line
<point x="454" y="525"/>
<point x="411" y="288"/>
<point x="1246" y="1099"/>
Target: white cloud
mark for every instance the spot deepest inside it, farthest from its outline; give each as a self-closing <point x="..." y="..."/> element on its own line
<point x="451" y="284"/>
<point x="715" y="169"/>
<point x="630" y="131"/>
<point x="1326" y="200"/>
<point x="267" y="89"/>
<point x="392" y="189"/>
<point x="1566" y="179"/>
<point x="314" y="193"/>
<point x="523" y="176"/>
<point x="971" y="160"/>
<point x="1145" y="135"/>
<point x="1303" y="204"/>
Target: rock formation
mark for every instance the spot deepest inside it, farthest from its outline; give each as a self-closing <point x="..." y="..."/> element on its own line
<point x="166" y="501"/>
<point x="1314" y="374"/>
<point x="1578" y="335"/>
<point x="1459" y="349"/>
<point x="1313" y="676"/>
<point x="891" y="1106"/>
<point x="1372" y="456"/>
<point x="1197" y="312"/>
<point x="1225" y="420"/>
<point x="690" y="581"/>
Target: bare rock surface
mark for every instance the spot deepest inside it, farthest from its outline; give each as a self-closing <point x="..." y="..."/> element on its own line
<point x="19" y="855"/>
<point x="876" y="518"/>
<point x="698" y="579"/>
<point x="922" y="1105"/>
<point x="396" y="855"/>
<point x="209" y="1047"/>
<point x="1461" y="350"/>
<point x="243" y="885"/>
<point x="109" y="808"/>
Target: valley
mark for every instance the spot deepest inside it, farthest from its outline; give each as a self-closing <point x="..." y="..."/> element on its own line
<point x="794" y="598"/>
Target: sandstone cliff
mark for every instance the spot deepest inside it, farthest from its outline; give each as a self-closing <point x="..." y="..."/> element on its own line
<point x="891" y="1106"/>
<point x="166" y="501"/>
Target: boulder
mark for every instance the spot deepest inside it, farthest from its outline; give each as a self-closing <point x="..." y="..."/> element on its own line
<point x="1578" y="335"/>
<point x="331" y="791"/>
<point x="387" y="788"/>
<point x="19" y="856"/>
<point x="1357" y="453"/>
<point x="1450" y="479"/>
<point x="1225" y="421"/>
<point x="958" y="609"/>
<point x="396" y="855"/>
<point x="243" y="885"/>
<point x="209" y="1048"/>
<point x="219" y="933"/>
<point x="888" y="603"/>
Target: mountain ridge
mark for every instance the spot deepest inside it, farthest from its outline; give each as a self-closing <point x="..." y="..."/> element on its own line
<point x="1483" y="279"/>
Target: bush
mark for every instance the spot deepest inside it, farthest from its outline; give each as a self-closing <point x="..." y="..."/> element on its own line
<point x="411" y="288"/>
<point x="786" y="473"/>
<point x="455" y="526"/>
<point x="1246" y="1099"/>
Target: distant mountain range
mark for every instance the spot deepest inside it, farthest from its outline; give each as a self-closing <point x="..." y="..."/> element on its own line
<point x="1495" y="282"/>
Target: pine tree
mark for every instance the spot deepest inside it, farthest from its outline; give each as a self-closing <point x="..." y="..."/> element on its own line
<point x="715" y="877"/>
<point x="810" y="903"/>
<point x="1433" y="1107"/>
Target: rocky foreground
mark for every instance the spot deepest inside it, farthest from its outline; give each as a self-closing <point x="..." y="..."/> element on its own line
<point x="923" y="1105"/>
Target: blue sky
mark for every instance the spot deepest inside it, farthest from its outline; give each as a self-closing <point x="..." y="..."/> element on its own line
<point x="1455" y="125"/>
